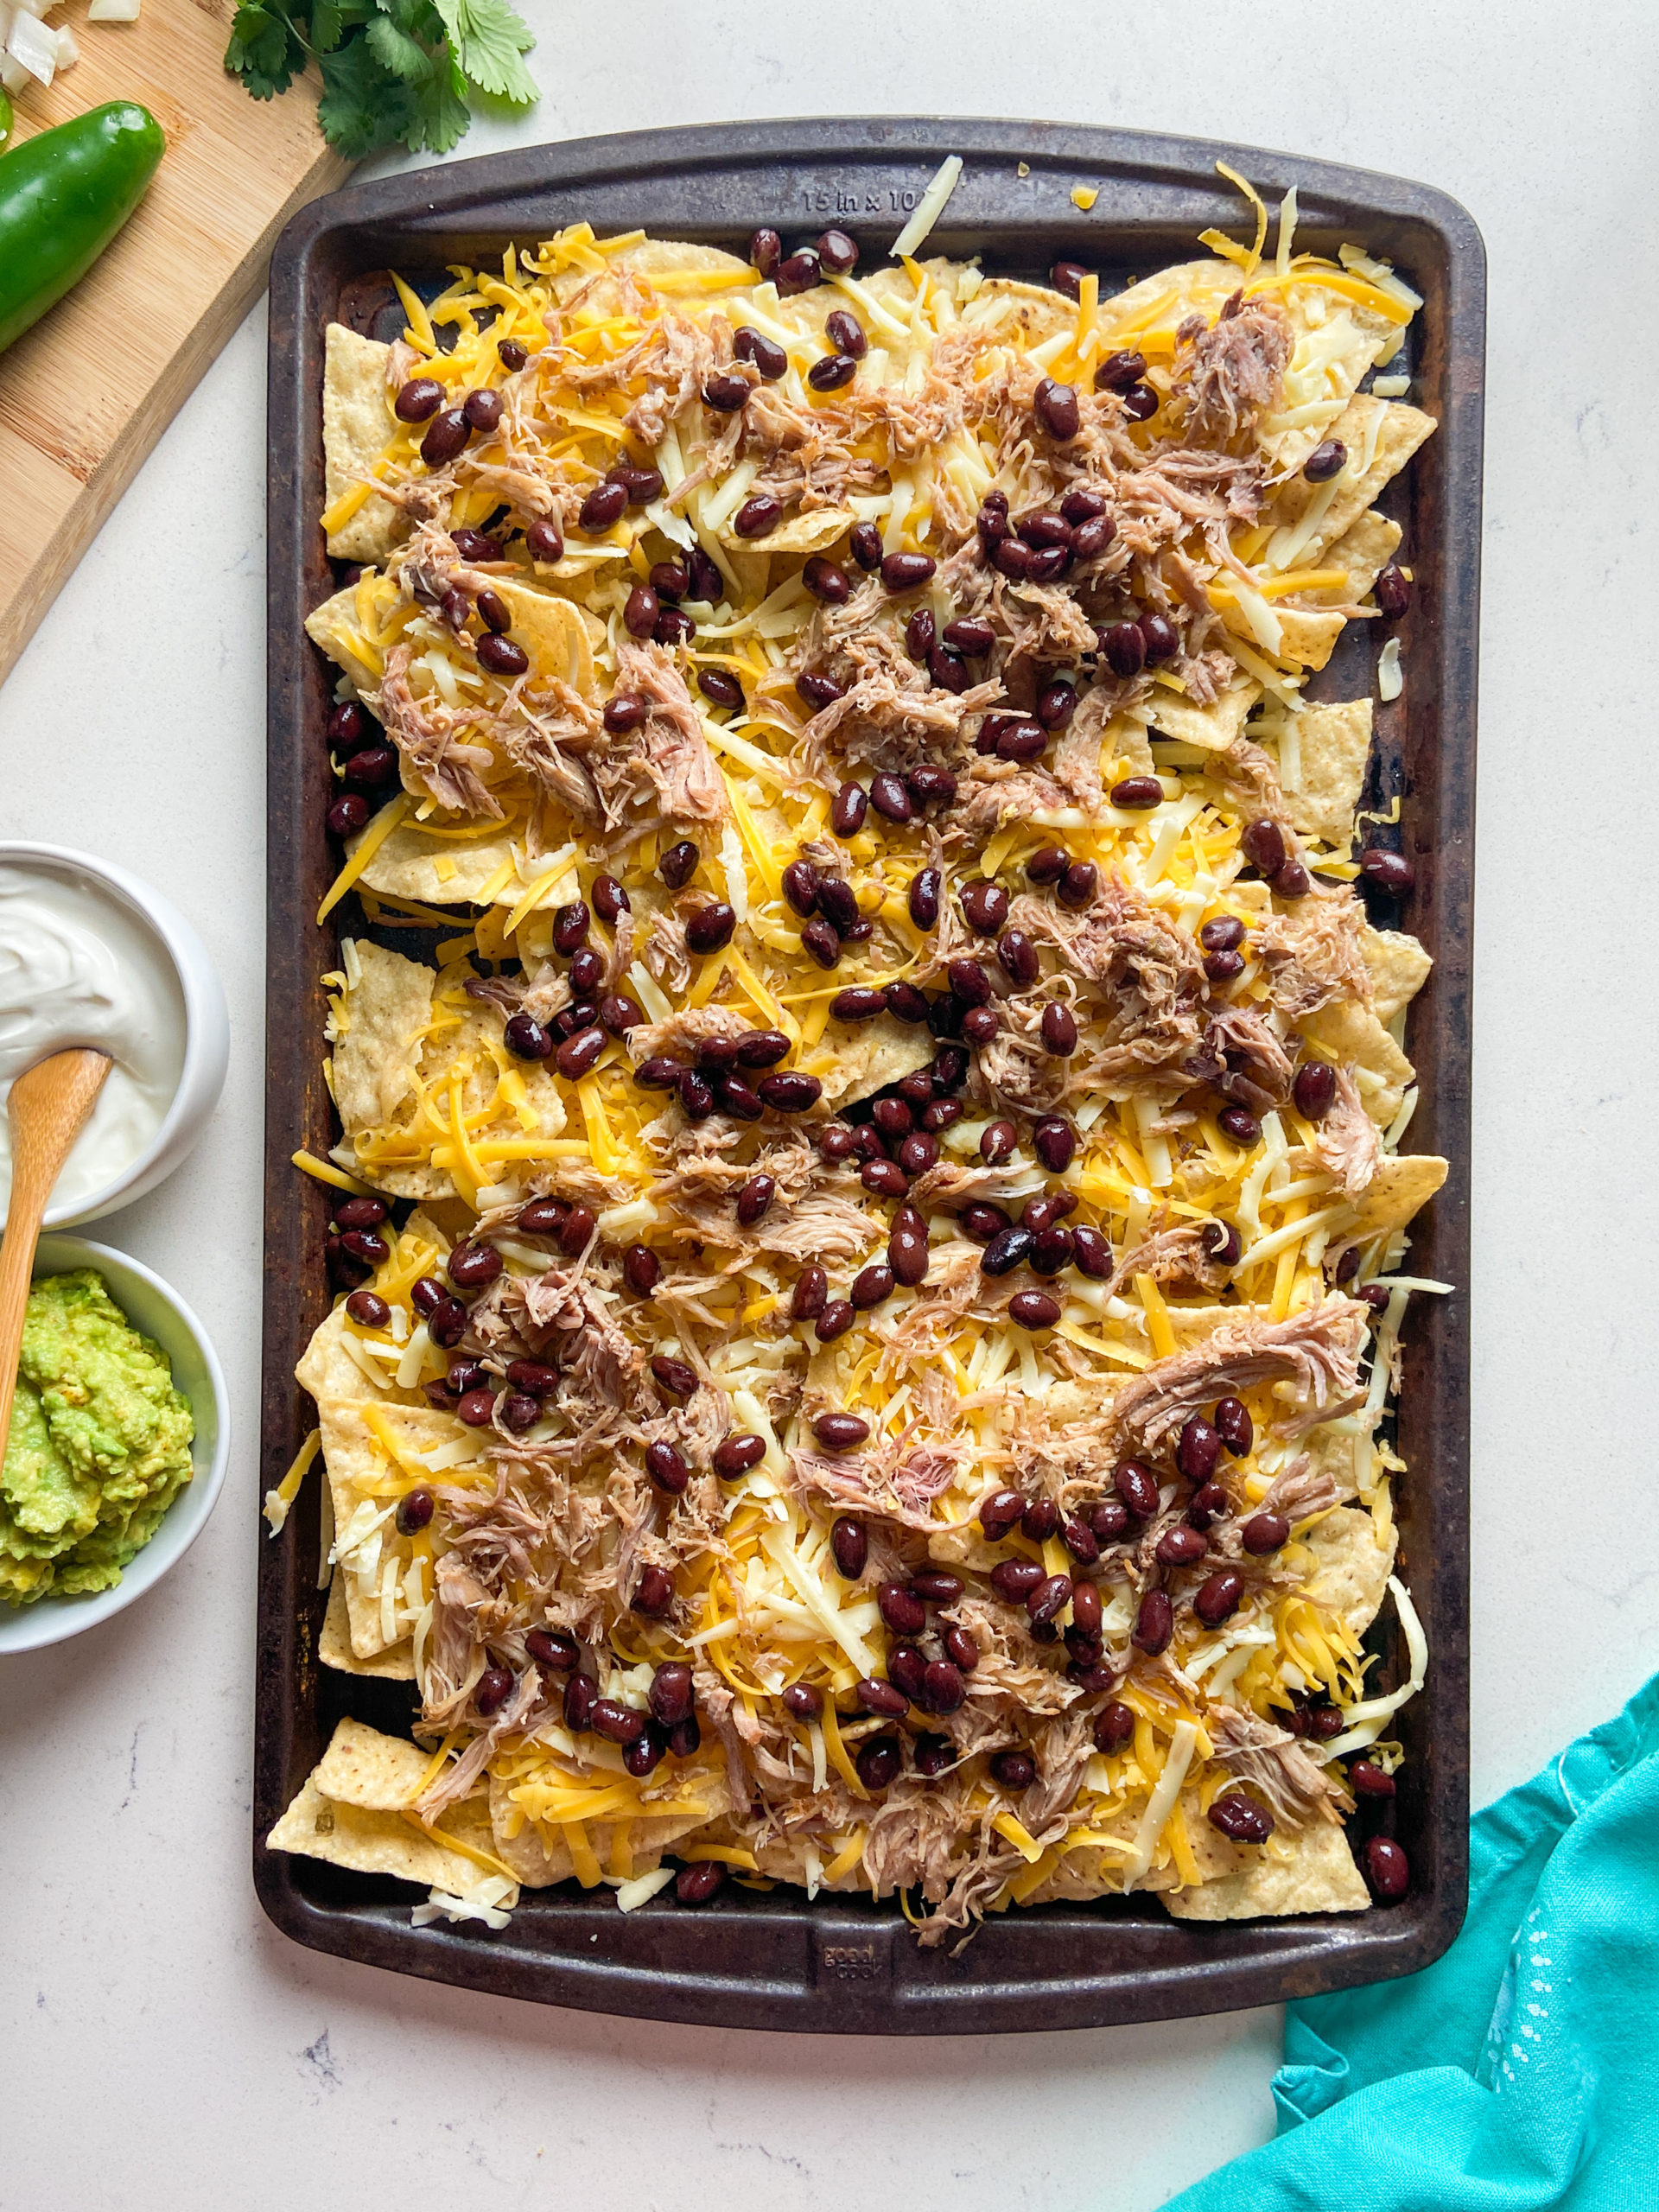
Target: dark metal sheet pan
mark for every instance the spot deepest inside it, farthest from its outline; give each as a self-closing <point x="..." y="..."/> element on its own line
<point x="775" y="1962"/>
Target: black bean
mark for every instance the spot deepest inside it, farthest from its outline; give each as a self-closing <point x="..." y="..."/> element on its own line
<point x="757" y="515"/>
<point x="901" y="1610"/>
<point x="1123" y="647"/>
<point x="1092" y="1254"/>
<point x="1119" y="371"/>
<point x="1007" y="1250"/>
<point x="1292" y="880"/>
<point x="491" y="1690"/>
<point x="414" y="1512"/>
<point x="476" y="1407"/>
<point x="929" y="783"/>
<point x="667" y="1468"/>
<point x="1224" y="934"/>
<point x="1033" y="1309"/>
<point x="766" y="251"/>
<point x="578" y="1054"/>
<point x="985" y="910"/>
<point x="802" y="1700"/>
<point x="348" y="814"/>
<point x="832" y="371"/>
<point x="624" y="711"/>
<point x="998" y="1512"/>
<point x="720" y="686"/>
<point x="1242" y="1128"/>
<point x="1140" y="403"/>
<point x="1015" y="1578"/>
<point x="906" y="571"/>
<point x="470" y="1267"/>
<point x="1366" y="1779"/>
<point x="1055" y="1142"/>
<point x="871" y="1286"/>
<point x="1392" y="592"/>
<point x="641" y="1270"/>
<point x="834" y="1320"/>
<point x="1386" y="871"/>
<point x="984" y="1223"/>
<point x="1051" y="1252"/>
<point x="1197" y="1450"/>
<point x="1078" y="885"/>
<point x="553" y="1648"/>
<point x="1067" y="276"/>
<point x="884" y="1699"/>
<point x="642" y="485"/>
<point x="674" y="628"/>
<point x="374" y="766"/>
<point x="754" y="1198"/>
<point x="1154" y="1623"/>
<point x="1059" y="1030"/>
<point x="851" y="805"/>
<point x="1234" y="1425"/>
<point x="445" y="438"/>
<point x="1012" y="1770"/>
<point x="1136" y="793"/>
<point x="1051" y="1597"/>
<point x="1180" y="1547"/>
<point x="736" y="1455"/>
<point x="1315" y="1090"/>
<point x="696" y="1884"/>
<point x="890" y="798"/>
<point x="800" y="273"/>
<point x="726" y="392"/>
<point x="926" y="886"/>
<point x="846" y="333"/>
<point x="969" y="636"/>
<point x="417" y="400"/>
<point x="1328" y="460"/>
<point x="838" y="252"/>
<point x="879" y="1761"/>
<point x="1263" y="1533"/>
<point x="1014" y="558"/>
<point x="865" y="541"/>
<point x="711" y="927"/>
<point x="1217" y="1599"/>
<point x="1138" y="1488"/>
<point x="604" y="505"/>
<point x="1263" y="846"/>
<point x="1055" y="406"/>
<point x="828" y="582"/>
<point x="1240" y="1818"/>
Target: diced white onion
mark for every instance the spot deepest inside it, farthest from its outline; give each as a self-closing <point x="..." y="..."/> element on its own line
<point x="32" y="47"/>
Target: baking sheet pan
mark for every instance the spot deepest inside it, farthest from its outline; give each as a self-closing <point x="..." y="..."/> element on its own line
<point x="839" y="1965"/>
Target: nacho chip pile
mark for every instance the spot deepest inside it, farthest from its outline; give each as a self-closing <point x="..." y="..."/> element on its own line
<point x="665" y="749"/>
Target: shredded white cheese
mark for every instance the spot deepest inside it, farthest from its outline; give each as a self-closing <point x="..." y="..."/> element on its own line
<point x="929" y="207"/>
<point x="1390" y="680"/>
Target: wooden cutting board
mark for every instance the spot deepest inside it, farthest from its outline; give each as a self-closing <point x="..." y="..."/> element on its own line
<point x="86" y="394"/>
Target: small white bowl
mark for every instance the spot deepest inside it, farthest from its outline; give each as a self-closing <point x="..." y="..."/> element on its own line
<point x="207" y="1025"/>
<point x="156" y="1311"/>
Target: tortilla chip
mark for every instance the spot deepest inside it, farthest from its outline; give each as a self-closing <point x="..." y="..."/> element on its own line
<point x="1399" y="430"/>
<point x="1316" y="1873"/>
<point x="381" y="1774"/>
<point x="1335" y="744"/>
<point x="374" y="1061"/>
<point x="1351" y="1569"/>
<point x="1349" y="1032"/>
<point x="1306" y="635"/>
<point x="1215" y="726"/>
<point x="552" y="631"/>
<point x="1402" y="1187"/>
<point x="327" y="1369"/>
<point x="1398" y="966"/>
<point x="853" y="1064"/>
<point x="1346" y="341"/>
<point x="1002" y="307"/>
<point x="807" y="533"/>
<point x="406" y="866"/>
<point x="395" y="1664"/>
<point x="357" y="1466"/>
<point x="358" y="425"/>
<point x="374" y="1089"/>
<point x="362" y="1829"/>
<point x="1199" y="287"/>
<point x="1363" y="551"/>
<point x="333" y="628"/>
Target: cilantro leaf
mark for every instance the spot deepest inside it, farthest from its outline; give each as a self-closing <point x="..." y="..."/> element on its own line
<point x="362" y="106"/>
<point x="443" y="115"/>
<point x="489" y="39"/>
<point x="394" y="71"/>
<point x="396" y="52"/>
<point x="266" y="51"/>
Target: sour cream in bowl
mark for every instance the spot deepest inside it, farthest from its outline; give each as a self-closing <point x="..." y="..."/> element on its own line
<point x="91" y="956"/>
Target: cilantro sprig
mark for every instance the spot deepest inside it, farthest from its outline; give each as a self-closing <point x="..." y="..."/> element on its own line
<point x="395" y="72"/>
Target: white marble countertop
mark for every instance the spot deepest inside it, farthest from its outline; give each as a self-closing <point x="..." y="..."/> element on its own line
<point x="161" y="2045"/>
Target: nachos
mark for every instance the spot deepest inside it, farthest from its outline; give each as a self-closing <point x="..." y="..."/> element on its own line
<point x="870" y="1207"/>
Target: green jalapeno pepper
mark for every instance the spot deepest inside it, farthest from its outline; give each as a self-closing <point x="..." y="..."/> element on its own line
<point x="64" y="194"/>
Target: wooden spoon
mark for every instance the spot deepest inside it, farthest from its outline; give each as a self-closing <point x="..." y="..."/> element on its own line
<point x="47" y="1109"/>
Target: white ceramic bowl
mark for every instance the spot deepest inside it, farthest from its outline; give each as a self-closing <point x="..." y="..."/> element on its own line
<point x="207" y="1025"/>
<point x="158" y="1311"/>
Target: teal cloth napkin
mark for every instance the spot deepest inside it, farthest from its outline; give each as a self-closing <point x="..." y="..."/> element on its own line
<point x="1521" y="2069"/>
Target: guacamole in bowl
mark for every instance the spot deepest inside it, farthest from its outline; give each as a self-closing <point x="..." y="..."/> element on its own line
<point x="100" y="1445"/>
